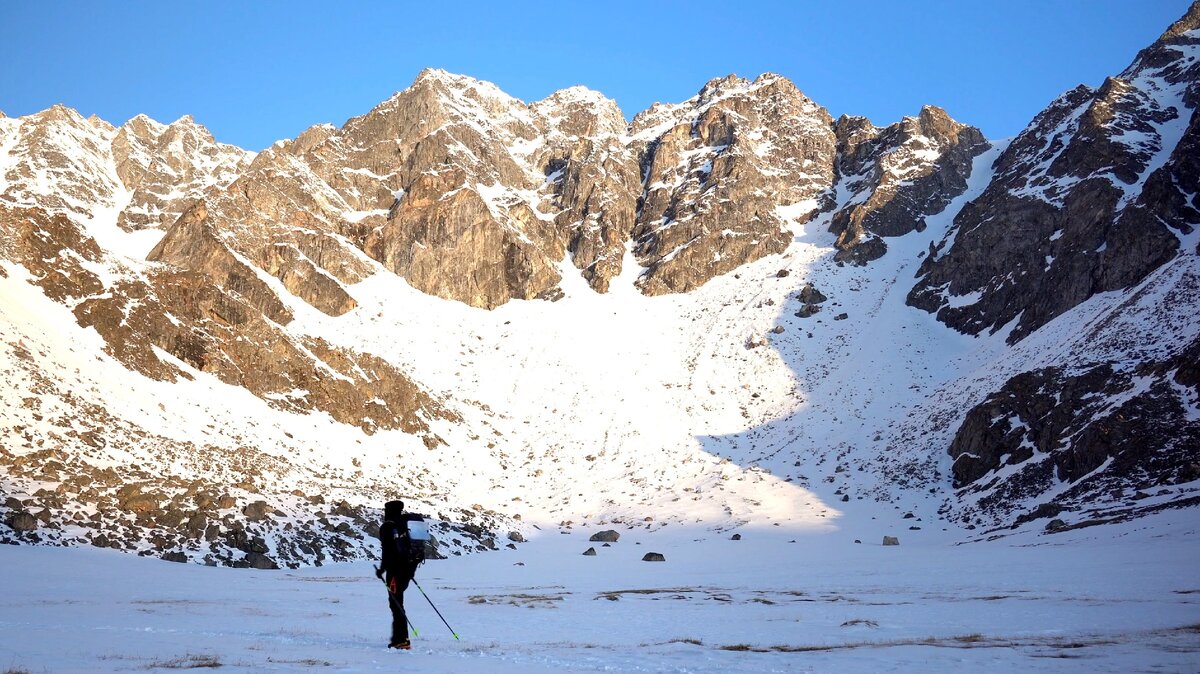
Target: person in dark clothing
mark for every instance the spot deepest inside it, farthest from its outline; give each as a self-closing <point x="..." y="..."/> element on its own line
<point x="398" y="568"/>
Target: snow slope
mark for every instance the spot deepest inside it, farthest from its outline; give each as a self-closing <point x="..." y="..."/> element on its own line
<point x="670" y="410"/>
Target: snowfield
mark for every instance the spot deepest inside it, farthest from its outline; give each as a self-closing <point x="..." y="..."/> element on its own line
<point x="1123" y="598"/>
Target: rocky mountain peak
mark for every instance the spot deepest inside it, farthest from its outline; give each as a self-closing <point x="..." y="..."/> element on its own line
<point x="719" y="167"/>
<point x="144" y="127"/>
<point x="581" y="112"/>
<point x="167" y="166"/>
<point x="58" y="113"/>
<point x="849" y="125"/>
<point x="56" y="160"/>
<point x="936" y="122"/>
<point x="721" y="86"/>
<point x="1187" y="23"/>
<point x="1095" y="171"/>
<point x="893" y="177"/>
<point x="766" y="86"/>
<point x="101" y="125"/>
<point x="456" y="89"/>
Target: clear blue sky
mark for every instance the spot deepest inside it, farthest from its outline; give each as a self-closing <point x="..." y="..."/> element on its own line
<point x="255" y="72"/>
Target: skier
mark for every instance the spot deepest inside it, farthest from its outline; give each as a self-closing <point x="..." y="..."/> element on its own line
<point x="401" y="556"/>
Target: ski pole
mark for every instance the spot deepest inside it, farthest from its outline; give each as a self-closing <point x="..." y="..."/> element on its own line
<point x="435" y="609"/>
<point x="392" y="599"/>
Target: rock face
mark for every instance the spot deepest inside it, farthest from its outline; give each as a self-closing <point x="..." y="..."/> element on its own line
<point x="164" y="168"/>
<point x="472" y="195"/>
<point x="718" y="167"/>
<point x="897" y="176"/>
<point x="1092" y="197"/>
<point x="1098" y="194"/>
<point x="1092" y="430"/>
<point x="464" y="216"/>
<point x="221" y="319"/>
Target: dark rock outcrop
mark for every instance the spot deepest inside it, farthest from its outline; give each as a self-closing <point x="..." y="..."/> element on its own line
<point x="1095" y="429"/>
<point x="898" y="176"/>
<point x="607" y="536"/>
<point x="219" y="318"/>
<point x="717" y="169"/>
<point x="1091" y="197"/>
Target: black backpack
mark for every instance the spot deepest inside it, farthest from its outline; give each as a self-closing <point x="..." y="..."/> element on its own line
<point x="410" y="537"/>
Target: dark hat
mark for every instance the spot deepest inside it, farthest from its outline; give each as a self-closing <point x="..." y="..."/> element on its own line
<point x="392" y="510"/>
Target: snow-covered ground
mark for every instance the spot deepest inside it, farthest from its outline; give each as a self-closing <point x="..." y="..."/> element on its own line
<point x="1123" y="598"/>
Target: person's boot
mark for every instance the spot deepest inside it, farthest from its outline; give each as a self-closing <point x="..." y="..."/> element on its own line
<point x="402" y="645"/>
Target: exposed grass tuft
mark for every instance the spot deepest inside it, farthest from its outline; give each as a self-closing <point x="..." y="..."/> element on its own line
<point x="187" y="662"/>
<point x="307" y="662"/>
<point x="741" y="647"/>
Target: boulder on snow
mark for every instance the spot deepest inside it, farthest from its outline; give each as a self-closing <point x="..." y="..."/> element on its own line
<point x="590" y="552"/>
<point x="654" y="557"/>
<point x="256" y="511"/>
<point x="1055" y="525"/>
<point x="807" y="310"/>
<point x="257" y="560"/>
<point x="735" y="537"/>
<point x="810" y="295"/>
<point x="608" y="536"/>
<point x="891" y="540"/>
<point x="174" y="557"/>
<point x="22" y="521"/>
<point x="196" y="525"/>
<point x="516" y="537"/>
